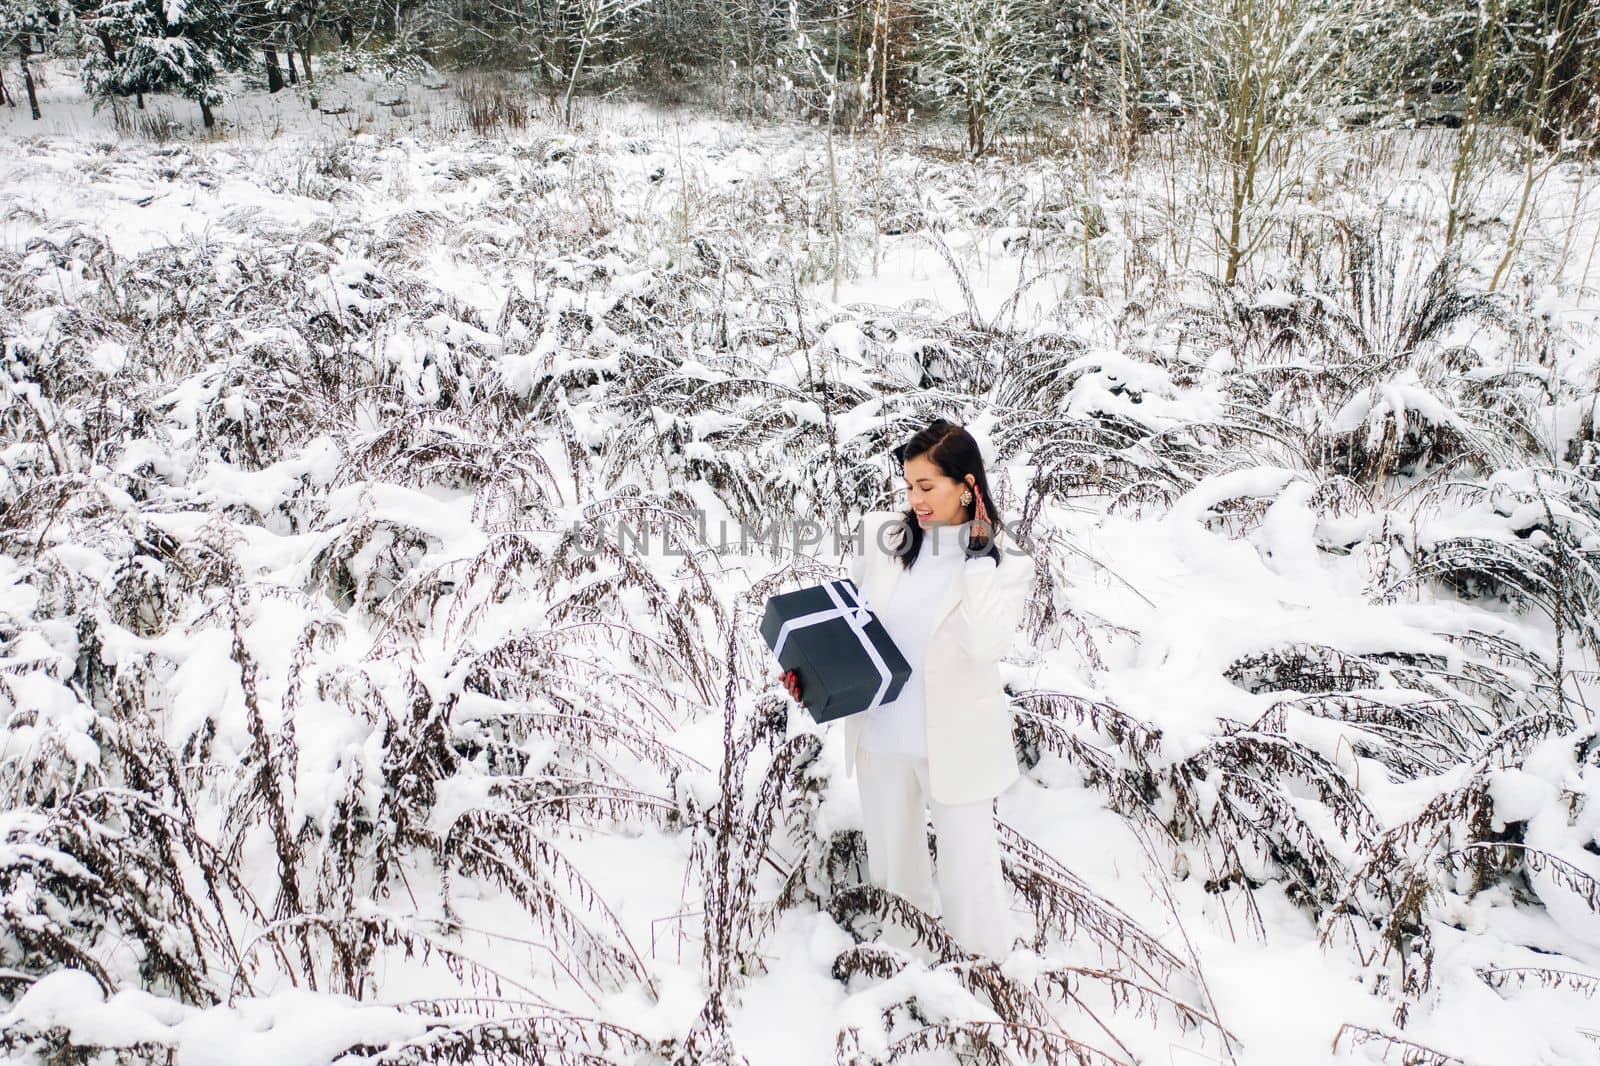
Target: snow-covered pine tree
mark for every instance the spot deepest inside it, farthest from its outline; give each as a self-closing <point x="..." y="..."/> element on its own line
<point x="181" y="46"/>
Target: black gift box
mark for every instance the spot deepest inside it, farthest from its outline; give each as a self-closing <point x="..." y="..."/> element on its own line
<point x="831" y="645"/>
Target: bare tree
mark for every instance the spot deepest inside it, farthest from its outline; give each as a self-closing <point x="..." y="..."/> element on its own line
<point x="986" y="57"/>
<point x="596" y="23"/>
<point x="1260" y="73"/>
<point x="22" y="24"/>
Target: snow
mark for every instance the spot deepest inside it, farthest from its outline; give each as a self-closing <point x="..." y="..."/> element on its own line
<point x="1518" y="795"/>
<point x="1401" y="398"/>
<point x="315" y="292"/>
<point x="294" y="1026"/>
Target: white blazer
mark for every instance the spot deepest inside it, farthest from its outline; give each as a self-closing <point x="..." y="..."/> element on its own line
<point x="971" y="754"/>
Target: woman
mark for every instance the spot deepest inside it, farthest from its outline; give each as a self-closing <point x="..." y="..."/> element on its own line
<point x="949" y="585"/>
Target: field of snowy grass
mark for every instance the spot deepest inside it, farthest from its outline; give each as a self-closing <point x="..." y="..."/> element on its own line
<point x="329" y="737"/>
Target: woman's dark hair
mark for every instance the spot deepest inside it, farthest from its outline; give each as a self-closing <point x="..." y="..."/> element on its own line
<point x="953" y="450"/>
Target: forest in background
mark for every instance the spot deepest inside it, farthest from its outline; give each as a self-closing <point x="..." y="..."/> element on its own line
<point x="1238" y="67"/>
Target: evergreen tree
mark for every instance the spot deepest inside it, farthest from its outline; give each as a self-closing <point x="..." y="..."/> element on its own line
<point x="181" y="46"/>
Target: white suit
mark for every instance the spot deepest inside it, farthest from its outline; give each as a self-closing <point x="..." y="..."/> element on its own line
<point x="971" y="757"/>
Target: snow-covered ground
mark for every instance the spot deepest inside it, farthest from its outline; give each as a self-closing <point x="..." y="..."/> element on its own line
<point x="325" y="742"/>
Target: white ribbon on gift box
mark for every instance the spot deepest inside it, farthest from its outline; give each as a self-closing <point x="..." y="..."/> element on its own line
<point x="857" y="616"/>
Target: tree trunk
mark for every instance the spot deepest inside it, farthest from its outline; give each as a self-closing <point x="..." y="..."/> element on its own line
<point x="288" y="55"/>
<point x="274" y="72"/>
<point x="894" y="23"/>
<point x="4" y="97"/>
<point x="572" y="82"/>
<point x="209" y="119"/>
<point x="347" y="39"/>
<point x="27" y="78"/>
<point x="303" y="43"/>
<point x="1565" y="55"/>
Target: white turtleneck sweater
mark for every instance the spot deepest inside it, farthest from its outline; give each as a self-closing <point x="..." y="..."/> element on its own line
<point x="899" y="727"/>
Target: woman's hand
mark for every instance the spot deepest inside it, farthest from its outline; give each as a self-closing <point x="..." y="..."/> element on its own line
<point x="791" y="681"/>
<point x="982" y="525"/>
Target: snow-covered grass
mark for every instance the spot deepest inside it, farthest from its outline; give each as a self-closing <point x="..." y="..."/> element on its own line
<point x="327" y="739"/>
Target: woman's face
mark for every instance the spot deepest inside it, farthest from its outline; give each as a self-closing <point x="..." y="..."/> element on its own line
<point x="935" y="496"/>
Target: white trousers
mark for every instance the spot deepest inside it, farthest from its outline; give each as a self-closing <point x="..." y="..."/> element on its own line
<point x="972" y="894"/>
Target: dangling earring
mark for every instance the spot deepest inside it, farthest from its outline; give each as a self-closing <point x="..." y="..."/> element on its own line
<point x="966" y="497"/>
